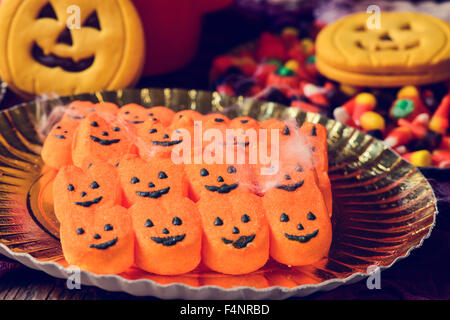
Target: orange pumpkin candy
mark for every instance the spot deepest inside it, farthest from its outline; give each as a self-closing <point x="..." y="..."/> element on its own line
<point x="168" y="236"/>
<point x="235" y="233"/>
<point x="57" y="149"/>
<point x="133" y="114"/>
<point x="86" y="191"/>
<point x="300" y="228"/>
<point x="99" y="139"/>
<point x="163" y="114"/>
<point x="156" y="179"/>
<point x="102" y="243"/>
<point x="316" y="137"/>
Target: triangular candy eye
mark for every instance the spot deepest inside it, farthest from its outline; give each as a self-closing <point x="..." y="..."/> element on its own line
<point x="47" y="11"/>
<point x="92" y="21"/>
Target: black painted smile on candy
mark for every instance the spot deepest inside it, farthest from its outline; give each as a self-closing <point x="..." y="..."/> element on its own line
<point x="105" y="245"/>
<point x="302" y="239"/>
<point x="53" y="61"/>
<point x="135" y="122"/>
<point x="166" y="143"/>
<point x="87" y="204"/>
<point x="104" y="142"/>
<point x="240" y="243"/>
<point x="290" y="187"/>
<point x="59" y="136"/>
<point x="153" y="194"/>
<point x="225" y="188"/>
<point x="169" y="241"/>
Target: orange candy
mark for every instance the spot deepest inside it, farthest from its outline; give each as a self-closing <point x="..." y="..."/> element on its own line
<point x="133" y="114"/>
<point x="168" y="236"/>
<point x="163" y="114"/>
<point x="81" y="191"/>
<point x="147" y="181"/>
<point x="99" y="139"/>
<point x="155" y="140"/>
<point x="235" y="232"/>
<point x="57" y="149"/>
<point x="300" y="227"/>
<point x="102" y="243"/>
<point x="317" y="138"/>
<point x="78" y="110"/>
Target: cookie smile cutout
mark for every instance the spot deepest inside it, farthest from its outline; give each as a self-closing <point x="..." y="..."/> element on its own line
<point x="241" y="242"/>
<point x="104" y="142"/>
<point x="153" y="194"/>
<point x="67" y="64"/>
<point x="302" y="239"/>
<point x="105" y="245"/>
<point x="168" y="241"/>
<point x="89" y="203"/>
<point x="225" y="188"/>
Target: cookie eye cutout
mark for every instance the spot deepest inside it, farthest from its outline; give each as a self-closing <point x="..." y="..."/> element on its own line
<point x="92" y="21"/>
<point x="47" y="11"/>
<point x="360" y="28"/>
<point x="405" y="27"/>
<point x="218" y="222"/>
<point x="177" y="221"/>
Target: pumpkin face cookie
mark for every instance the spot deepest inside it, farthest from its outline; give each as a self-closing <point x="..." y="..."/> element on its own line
<point x="408" y="48"/>
<point x="40" y="54"/>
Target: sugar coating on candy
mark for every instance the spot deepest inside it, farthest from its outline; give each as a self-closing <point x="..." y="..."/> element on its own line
<point x="57" y="148"/>
<point x="168" y="236"/>
<point x="102" y="243"/>
<point x="300" y="227"/>
<point x="98" y="138"/>
<point x="151" y="180"/>
<point x="236" y="236"/>
<point x="84" y="191"/>
<point x="163" y="114"/>
<point x="133" y="114"/>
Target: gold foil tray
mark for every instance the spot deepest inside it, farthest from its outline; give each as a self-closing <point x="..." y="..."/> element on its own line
<point x="383" y="206"/>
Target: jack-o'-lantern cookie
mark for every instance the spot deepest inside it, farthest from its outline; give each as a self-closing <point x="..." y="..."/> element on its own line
<point x="405" y="48"/>
<point x="69" y="46"/>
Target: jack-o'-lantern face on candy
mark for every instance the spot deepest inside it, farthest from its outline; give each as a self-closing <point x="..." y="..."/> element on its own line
<point x="40" y="53"/>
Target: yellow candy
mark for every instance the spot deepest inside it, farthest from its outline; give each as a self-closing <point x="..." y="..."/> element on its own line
<point x="421" y="158"/>
<point x="290" y="31"/>
<point x="366" y="98"/>
<point x="292" y="65"/>
<point x="307" y="45"/>
<point x="371" y="120"/>
<point x="408" y="91"/>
